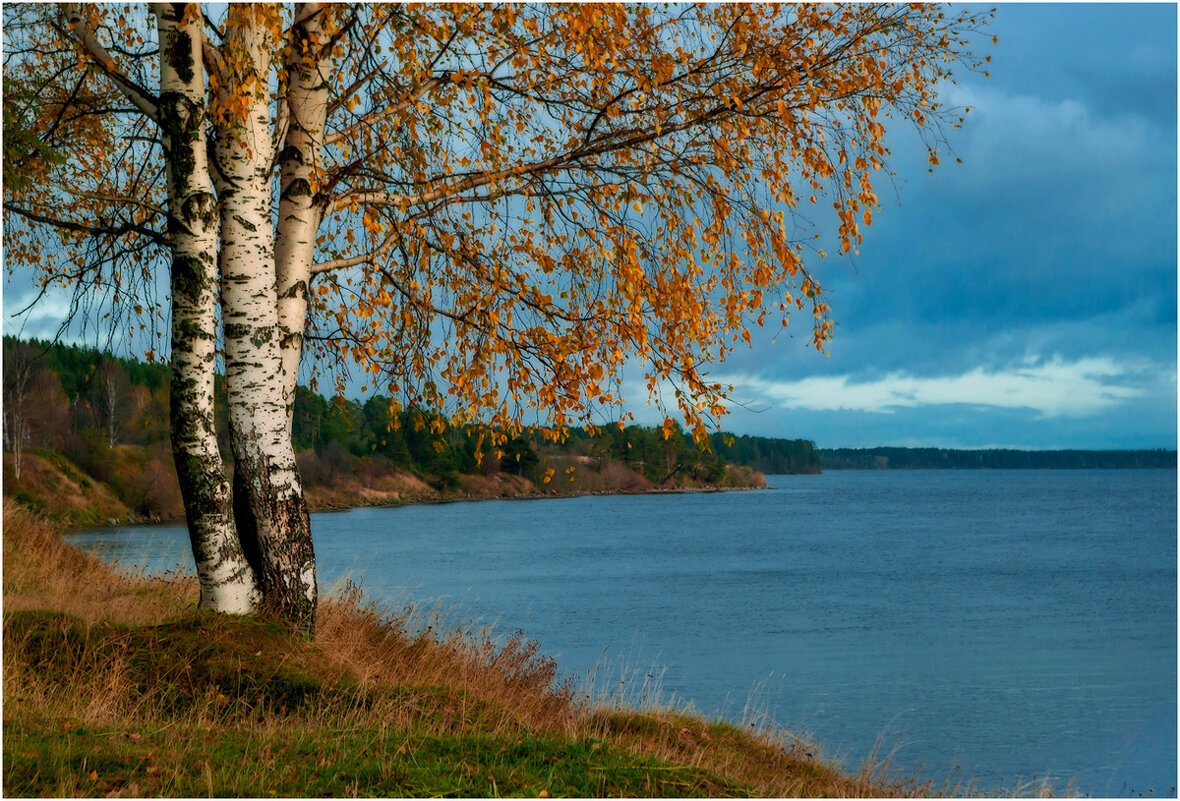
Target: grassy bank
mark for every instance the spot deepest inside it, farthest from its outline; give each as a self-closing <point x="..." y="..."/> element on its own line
<point x="116" y="686"/>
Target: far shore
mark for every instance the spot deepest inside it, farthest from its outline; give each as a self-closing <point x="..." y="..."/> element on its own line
<point x="52" y="485"/>
<point x="331" y="508"/>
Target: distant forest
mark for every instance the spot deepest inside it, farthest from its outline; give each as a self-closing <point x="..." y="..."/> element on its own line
<point x="996" y="459"/>
<point x="87" y="405"/>
<point x="109" y="416"/>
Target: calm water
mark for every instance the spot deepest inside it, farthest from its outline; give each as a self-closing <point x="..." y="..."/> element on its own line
<point x="996" y="625"/>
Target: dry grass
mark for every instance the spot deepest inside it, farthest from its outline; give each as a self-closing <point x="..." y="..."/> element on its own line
<point x="42" y="572"/>
<point x="132" y="658"/>
<point x="394" y="487"/>
<point x="743" y="476"/>
<point x="61" y="489"/>
<point x="496" y="485"/>
<point x="626" y="479"/>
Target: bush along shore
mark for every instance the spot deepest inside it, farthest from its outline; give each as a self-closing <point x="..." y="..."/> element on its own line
<point x="118" y="686"/>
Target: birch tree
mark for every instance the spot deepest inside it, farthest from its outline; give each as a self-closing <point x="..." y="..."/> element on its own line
<point x="228" y="582"/>
<point x="112" y="398"/>
<point x="492" y="211"/>
<point x="19" y="373"/>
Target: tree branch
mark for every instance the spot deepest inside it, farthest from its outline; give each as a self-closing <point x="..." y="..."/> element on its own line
<point x="608" y="143"/>
<point x="349" y="131"/>
<point x="353" y="261"/>
<point x="92" y="230"/>
<point x="353" y="87"/>
<point x="131" y="201"/>
<point x="211" y="57"/>
<point x="143" y="100"/>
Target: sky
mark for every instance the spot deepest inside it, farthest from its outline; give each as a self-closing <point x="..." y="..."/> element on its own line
<point x="1024" y="298"/>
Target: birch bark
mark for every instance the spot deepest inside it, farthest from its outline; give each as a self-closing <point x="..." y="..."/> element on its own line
<point x="226" y="579"/>
<point x="301" y="169"/>
<point x="269" y="507"/>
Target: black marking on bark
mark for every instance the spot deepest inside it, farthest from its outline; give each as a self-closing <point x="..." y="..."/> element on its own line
<point x="299" y="187"/>
<point x="246" y="522"/>
<point x="203" y="487"/>
<point x="180" y="55"/>
<point x="196" y="214"/>
<point x="278" y="530"/>
<point x="297" y="290"/>
<point x="188" y="278"/>
<point x="201" y="206"/>
<point x="262" y="336"/>
<point x="191" y="329"/>
<point x="181" y="120"/>
<point x="291" y="153"/>
<point x="236" y="330"/>
<point x="242" y="221"/>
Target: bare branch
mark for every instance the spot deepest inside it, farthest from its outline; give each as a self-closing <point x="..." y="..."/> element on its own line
<point x="376" y="117"/>
<point x="101" y="230"/>
<point x="354" y="87"/>
<point x="568" y="159"/>
<point x="365" y="258"/>
<point x="130" y="201"/>
<point x="143" y="100"/>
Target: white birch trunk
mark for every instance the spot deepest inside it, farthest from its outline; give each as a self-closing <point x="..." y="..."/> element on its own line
<point x="109" y="398"/>
<point x="301" y="169"/>
<point x="18" y="378"/>
<point x="226" y="579"/>
<point x="269" y="506"/>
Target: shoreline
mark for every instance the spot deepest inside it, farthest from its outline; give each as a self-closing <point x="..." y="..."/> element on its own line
<point x="135" y="484"/>
<point x="77" y="499"/>
<point x="322" y="508"/>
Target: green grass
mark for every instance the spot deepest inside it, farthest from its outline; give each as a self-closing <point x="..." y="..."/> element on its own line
<point x="55" y="757"/>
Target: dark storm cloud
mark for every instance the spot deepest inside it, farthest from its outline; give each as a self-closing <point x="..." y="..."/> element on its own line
<point x="1047" y="258"/>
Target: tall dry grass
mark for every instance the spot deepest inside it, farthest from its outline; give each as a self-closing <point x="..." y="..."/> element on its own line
<point x="41" y="571"/>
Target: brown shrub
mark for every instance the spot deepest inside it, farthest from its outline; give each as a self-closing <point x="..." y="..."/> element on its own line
<point x="624" y="479"/>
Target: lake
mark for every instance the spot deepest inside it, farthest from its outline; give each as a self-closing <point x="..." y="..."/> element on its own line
<point x="990" y="625"/>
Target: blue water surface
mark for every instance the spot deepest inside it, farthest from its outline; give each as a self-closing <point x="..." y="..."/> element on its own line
<point x="1001" y="626"/>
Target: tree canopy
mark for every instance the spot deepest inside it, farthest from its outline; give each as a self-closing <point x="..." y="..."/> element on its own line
<point x="513" y="201"/>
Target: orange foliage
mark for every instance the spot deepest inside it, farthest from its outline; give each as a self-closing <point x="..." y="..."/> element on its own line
<point x="519" y="201"/>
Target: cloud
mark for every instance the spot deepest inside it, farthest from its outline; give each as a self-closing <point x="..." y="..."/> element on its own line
<point x="1053" y="388"/>
<point x="43" y="318"/>
<point x="1117" y="57"/>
